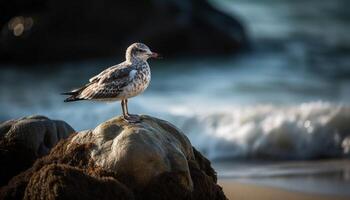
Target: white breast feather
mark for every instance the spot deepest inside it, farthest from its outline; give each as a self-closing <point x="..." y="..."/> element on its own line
<point x="132" y="73"/>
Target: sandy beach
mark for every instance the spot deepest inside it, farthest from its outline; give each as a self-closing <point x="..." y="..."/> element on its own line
<point x="242" y="191"/>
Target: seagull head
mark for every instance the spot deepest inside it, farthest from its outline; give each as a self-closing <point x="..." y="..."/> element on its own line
<point x="139" y="52"/>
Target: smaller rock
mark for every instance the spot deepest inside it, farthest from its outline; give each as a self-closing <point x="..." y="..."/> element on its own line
<point x="24" y="140"/>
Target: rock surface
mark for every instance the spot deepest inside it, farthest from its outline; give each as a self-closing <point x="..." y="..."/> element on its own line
<point x="147" y="160"/>
<point x="142" y="150"/>
<point x="49" y="30"/>
<point x="24" y="140"/>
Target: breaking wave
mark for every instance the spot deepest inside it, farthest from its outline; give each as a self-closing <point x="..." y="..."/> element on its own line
<point x="306" y="131"/>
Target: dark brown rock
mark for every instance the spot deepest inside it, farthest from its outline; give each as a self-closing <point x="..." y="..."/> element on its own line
<point x="73" y="183"/>
<point x="78" y="156"/>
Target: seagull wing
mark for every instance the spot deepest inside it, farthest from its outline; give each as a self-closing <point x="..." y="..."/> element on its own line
<point x="109" y="83"/>
<point x="108" y="70"/>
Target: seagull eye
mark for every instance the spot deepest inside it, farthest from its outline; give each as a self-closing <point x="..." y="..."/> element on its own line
<point x="140" y="50"/>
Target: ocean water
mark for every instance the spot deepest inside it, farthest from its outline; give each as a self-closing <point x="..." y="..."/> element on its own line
<point x="228" y="111"/>
<point x="266" y="116"/>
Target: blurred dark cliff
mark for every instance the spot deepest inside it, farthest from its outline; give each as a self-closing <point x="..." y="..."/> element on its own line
<point x="47" y="30"/>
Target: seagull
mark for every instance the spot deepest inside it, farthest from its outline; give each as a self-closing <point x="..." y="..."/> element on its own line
<point x="119" y="82"/>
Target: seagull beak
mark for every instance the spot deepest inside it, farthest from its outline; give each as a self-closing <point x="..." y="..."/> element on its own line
<point x="155" y="55"/>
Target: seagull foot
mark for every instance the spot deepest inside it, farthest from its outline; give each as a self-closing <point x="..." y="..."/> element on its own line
<point x="132" y="118"/>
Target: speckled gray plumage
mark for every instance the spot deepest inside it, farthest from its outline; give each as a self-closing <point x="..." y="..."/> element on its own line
<point x="118" y="82"/>
<point x="112" y="83"/>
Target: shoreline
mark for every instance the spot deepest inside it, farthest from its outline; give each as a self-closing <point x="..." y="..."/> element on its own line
<point x="245" y="191"/>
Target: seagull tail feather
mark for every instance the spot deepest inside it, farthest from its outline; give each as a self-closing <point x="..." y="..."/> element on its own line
<point x="73" y="98"/>
<point x="74" y="95"/>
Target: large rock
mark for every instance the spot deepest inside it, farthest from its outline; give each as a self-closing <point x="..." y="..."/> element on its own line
<point x="147" y="160"/>
<point x="142" y="150"/>
<point x="49" y="30"/>
<point x="24" y="140"/>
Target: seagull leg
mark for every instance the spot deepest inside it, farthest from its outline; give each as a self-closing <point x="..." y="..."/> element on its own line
<point x="125" y="113"/>
<point x="127" y="109"/>
<point x="128" y="117"/>
<point x="134" y="117"/>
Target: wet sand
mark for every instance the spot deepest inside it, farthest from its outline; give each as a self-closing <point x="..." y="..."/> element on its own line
<point x="242" y="191"/>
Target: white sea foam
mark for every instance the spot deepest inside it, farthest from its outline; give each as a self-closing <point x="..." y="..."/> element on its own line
<point x="306" y="131"/>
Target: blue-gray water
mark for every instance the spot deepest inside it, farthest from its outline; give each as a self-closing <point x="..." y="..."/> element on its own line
<point x="289" y="98"/>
